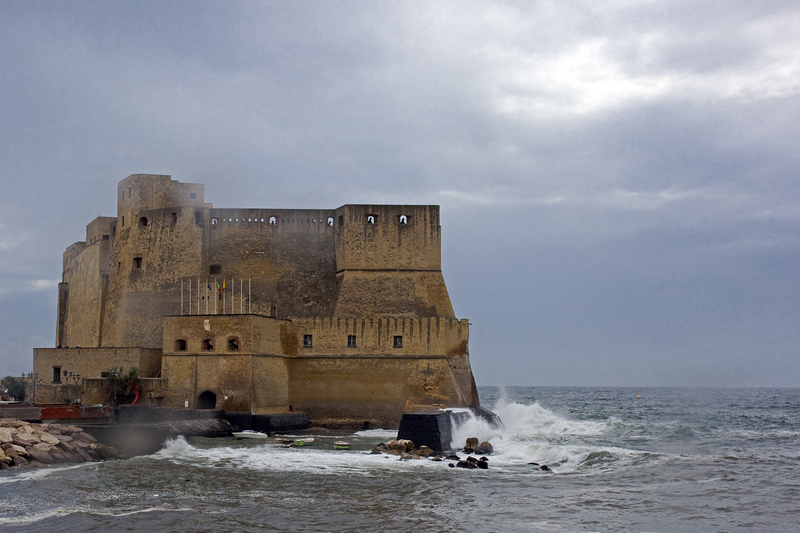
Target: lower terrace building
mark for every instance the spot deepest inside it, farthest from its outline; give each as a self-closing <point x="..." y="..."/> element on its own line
<point x="339" y="313"/>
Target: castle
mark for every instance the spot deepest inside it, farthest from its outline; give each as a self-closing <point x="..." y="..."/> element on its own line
<point x="339" y="313"/>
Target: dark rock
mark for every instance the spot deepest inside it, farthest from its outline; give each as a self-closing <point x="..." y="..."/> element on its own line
<point x="471" y="459"/>
<point x="19" y="441"/>
<point x="451" y="465"/>
<point x="436" y="458"/>
<point x="4" y="466"/>
<point x="468" y="451"/>
<point x="452" y="456"/>
<point x="43" y="457"/>
<point x="545" y="468"/>
<point x="534" y="464"/>
<point x="466" y="464"/>
<point x="19" y="461"/>
<point x="482" y="465"/>
<point x="484" y="458"/>
<point x="484" y="449"/>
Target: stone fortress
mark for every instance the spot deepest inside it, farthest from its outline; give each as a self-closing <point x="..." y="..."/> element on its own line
<point x="339" y="313"/>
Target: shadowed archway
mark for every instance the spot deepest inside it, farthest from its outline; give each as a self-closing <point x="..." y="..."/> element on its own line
<point x="207" y="400"/>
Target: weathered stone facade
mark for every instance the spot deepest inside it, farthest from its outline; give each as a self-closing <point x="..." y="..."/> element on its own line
<point x="342" y="313"/>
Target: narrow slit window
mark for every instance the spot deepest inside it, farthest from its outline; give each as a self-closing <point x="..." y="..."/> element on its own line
<point x="56" y="374"/>
<point x="137" y="262"/>
<point x="398" y="341"/>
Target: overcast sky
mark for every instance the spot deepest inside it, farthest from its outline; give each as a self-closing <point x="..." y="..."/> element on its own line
<point x="618" y="180"/>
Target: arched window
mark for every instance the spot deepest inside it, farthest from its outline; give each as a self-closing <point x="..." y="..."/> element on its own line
<point x="180" y="345"/>
<point x="330" y="221"/>
<point x="403" y="219"/>
<point x="208" y="345"/>
<point x="370" y="219"/>
<point x="272" y="221"/>
<point x="233" y="344"/>
<point x="143" y="222"/>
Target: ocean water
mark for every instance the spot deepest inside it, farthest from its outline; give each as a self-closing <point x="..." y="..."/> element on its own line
<point x="673" y="459"/>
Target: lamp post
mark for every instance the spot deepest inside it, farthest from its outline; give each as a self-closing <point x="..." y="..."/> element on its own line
<point x="66" y="396"/>
<point x="75" y="378"/>
<point x="114" y="374"/>
<point x="34" y="378"/>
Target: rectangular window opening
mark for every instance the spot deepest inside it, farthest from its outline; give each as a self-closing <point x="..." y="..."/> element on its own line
<point x="56" y="374"/>
<point x="307" y="341"/>
<point x="351" y="341"/>
<point x="398" y="341"/>
<point x="137" y="262"/>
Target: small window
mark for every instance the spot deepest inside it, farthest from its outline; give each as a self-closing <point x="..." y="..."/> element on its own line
<point x="143" y="222"/>
<point x="341" y="221"/>
<point x="56" y="374"/>
<point x="174" y="217"/>
<point x="215" y="269"/>
<point x="198" y="217"/>
<point x="180" y="345"/>
<point x="370" y="219"/>
<point x="192" y="195"/>
<point x="105" y="237"/>
<point x="123" y="221"/>
<point x="123" y="196"/>
<point x="214" y="221"/>
<point x="272" y="221"/>
<point x="129" y="193"/>
<point x="330" y="221"/>
<point x="307" y="341"/>
<point x="137" y="262"/>
<point x="208" y="345"/>
<point x="233" y="344"/>
<point x="351" y="341"/>
<point x="398" y="341"/>
<point x="403" y="219"/>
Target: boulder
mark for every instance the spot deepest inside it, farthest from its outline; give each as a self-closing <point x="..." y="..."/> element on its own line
<point x="5" y="435"/>
<point x="19" y="461"/>
<point x="41" y="446"/>
<point x="398" y="445"/>
<point x="472" y="443"/>
<point x="380" y="448"/>
<point x="29" y="436"/>
<point x="406" y="456"/>
<point x="41" y="456"/>
<point x="425" y="451"/>
<point x="484" y="449"/>
<point x="482" y="464"/>
<point x="545" y="468"/>
<point x="20" y="441"/>
<point x="46" y="437"/>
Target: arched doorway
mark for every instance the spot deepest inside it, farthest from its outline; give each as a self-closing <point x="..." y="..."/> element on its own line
<point x="207" y="400"/>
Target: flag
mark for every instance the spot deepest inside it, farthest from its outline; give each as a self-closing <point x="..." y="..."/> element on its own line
<point x="208" y="285"/>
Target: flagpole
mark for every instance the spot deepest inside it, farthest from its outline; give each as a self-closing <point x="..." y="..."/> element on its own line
<point x="190" y="297"/>
<point x="233" y="295"/>
<point x="215" y="296"/>
<point x="206" y="295"/>
<point x="181" y="297"/>
<point x="198" y="296"/>
<point x="241" y="301"/>
<point x="249" y="296"/>
<point x="223" y="296"/>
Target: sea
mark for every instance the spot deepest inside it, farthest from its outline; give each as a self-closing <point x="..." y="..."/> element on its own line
<point x="619" y="459"/>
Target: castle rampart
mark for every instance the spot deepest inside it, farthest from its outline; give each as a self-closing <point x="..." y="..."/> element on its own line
<point x="319" y="303"/>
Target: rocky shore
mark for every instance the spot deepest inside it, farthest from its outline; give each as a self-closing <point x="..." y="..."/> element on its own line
<point x="406" y="450"/>
<point x="27" y="444"/>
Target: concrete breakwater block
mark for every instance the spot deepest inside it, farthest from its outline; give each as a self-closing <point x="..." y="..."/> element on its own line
<point x="434" y="428"/>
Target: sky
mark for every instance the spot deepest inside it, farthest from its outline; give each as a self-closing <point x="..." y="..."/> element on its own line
<point x="618" y="180"/>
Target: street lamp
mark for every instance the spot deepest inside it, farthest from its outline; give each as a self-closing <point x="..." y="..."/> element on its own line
<point x="114" y="374"/>
<point x="75" y="378"/>
<point x="66" y="396"/>
<point x="34" y="378"/>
